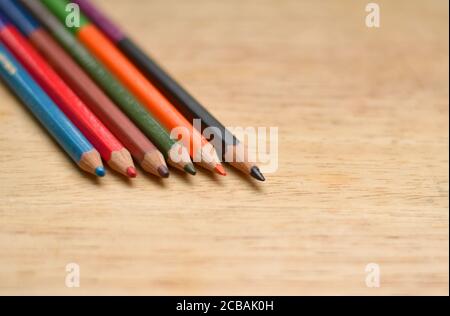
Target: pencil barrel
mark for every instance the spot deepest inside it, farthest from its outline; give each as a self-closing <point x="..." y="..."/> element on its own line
<point x="122" y="98"/>
<point x="118" y="123"/>
<point x="112" y="87"/>
<point x="42" y="107"/>
<point x="172" y="90"/>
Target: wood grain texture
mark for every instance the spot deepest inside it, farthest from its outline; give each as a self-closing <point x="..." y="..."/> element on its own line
<point x="363" y="171"/>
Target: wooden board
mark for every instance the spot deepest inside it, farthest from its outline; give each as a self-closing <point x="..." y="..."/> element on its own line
<point x="363" y="161"/>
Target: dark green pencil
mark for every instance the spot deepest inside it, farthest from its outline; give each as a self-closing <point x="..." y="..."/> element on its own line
<point x="116" y="91"/>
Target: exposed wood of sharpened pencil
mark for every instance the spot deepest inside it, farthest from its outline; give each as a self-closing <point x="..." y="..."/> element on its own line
<point x="154" y="162"/>
<point x="92" y="162"/>
<point x="237" y="156"/>
<point x="113" y="88"/>
<point x="172" y="90"/>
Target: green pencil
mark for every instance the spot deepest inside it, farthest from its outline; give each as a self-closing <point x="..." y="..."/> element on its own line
<point x="176" y="155"/>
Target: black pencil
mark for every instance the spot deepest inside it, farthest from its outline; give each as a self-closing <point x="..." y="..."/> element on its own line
<point x="179" y="97"/>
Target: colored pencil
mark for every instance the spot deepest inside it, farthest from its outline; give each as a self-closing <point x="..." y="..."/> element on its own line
<point x="50" y="116"/>
<point x="200" y="149"/>
<point x="176" y="155"/>
<point x="172" y="90"/>
<point x="118" y="123"/>
<point x="110" y="149"/>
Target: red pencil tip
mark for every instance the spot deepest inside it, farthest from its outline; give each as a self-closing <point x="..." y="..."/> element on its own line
<point x="220" y="170"/>
<point x="131" y="172"/>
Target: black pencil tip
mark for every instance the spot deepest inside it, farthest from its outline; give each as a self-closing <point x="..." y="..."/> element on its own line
<point x="256" y="173"/>
<point x="163" y="172"/>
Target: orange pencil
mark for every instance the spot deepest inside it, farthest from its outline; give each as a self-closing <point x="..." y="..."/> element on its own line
<point x="201" y="150"/>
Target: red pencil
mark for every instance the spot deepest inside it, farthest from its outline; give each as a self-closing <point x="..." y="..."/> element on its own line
<point x="106" y="143"/>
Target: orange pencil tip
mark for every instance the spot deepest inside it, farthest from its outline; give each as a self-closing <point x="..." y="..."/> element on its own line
<point x="220" y="170"/>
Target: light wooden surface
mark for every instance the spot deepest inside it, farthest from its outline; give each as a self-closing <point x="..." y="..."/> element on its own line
<point x="363" y="161"/>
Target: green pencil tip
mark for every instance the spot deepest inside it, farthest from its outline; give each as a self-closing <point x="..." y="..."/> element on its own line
<point x="189" y="168"/>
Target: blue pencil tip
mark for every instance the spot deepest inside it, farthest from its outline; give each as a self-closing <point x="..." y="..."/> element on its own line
<point x="100" y="171"/>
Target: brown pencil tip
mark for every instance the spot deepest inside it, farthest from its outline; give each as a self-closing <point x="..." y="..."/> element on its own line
<point x="220" y="170"/>
<point x="163" y="171"/>
<point x="256" y="173"/>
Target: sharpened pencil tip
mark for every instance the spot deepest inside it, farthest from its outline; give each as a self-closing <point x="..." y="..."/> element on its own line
<point x="131" y="172"/>
<point x="220" y="170"/>
<point x="163" y="171"/>
<point x="256" y="173"/>
<point x="189" y="168"/>
<point x="100" y="172"/>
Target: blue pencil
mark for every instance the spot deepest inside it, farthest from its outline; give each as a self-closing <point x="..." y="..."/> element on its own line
<point x="43" y="108"/>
